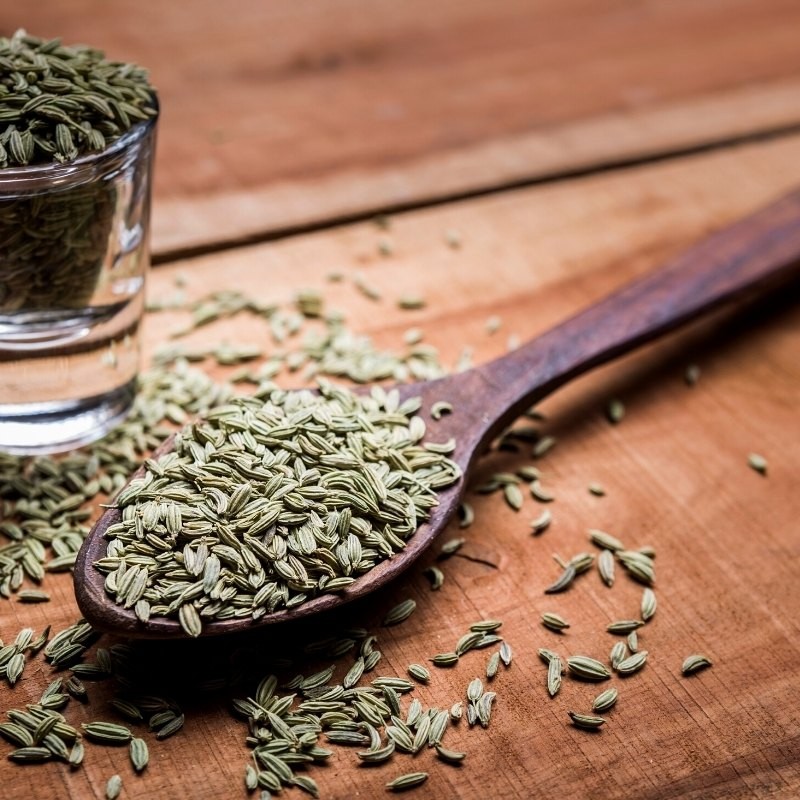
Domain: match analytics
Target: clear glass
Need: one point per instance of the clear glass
(74, 253)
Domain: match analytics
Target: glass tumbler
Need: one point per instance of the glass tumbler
(74, 251)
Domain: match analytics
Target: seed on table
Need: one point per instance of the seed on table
(468, 641)
(605, 540)
(76, 754)
(451, 546)
(452, 238)
(632, 663)
(486, 625)
(493, 665)
(435, 576)
(587, 668)
(445, 659)
(648, 604)
(543, 446)
(32, 596)
(113, 787)
(605, 566)
(419, 673)
(546, 655)
(107, 732)
(538, 492)
(541, 523)
(582, 562)
(411, 302)
(449, 756)
(597, 490)
(475, 690)
(615, 411)
(139, 754)
(400, 613)
(438, 728)
(564, 581)
(378, 755)
(513, 496)
(695, 663)
(554, 676)
(624, 626)
(587, 721)
(408, 781)
(506, 653)
(758, 463)
(639, 565)
(484, 708)
(493, 324)
(250, 778)
(30, 755)
(466, 515)
(692, 374)
(605, 700)
(554, 622)
(633, 641)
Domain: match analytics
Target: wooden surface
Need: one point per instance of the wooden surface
(750, 259)
(676, 477)
(283, 114)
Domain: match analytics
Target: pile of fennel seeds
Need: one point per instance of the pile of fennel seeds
(271, 500)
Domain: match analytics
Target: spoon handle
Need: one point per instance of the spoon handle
(754, 254)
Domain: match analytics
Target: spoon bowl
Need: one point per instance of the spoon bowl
(756, 254)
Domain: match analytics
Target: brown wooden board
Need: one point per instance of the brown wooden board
(285, 114)
(676, 475)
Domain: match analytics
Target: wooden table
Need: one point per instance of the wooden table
(572, 145)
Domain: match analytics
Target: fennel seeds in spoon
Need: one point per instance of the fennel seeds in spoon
(271, 500)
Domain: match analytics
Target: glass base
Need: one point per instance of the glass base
(42, 428)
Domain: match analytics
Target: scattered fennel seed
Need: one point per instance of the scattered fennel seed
(493, 324)
(615, 411)
(587, 721)
(450, 547)
(542, 522)
(691, 375)
(543, 446)
(408, 781)
(605, 540)
(538, 492)
(605, 700)
(435, 576)
(411, 302)
(554, 622)
(400, 613)
(452, 238)
(757, 463)
(368, 291)
(695, 663)
(113, 787)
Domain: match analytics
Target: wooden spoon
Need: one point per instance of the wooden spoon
(751, 256)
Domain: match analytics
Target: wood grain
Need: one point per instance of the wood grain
(676, 477)
(756, 255)
(284, 114)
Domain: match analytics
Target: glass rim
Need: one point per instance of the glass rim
(33, 174)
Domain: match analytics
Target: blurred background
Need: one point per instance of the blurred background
(280, 114)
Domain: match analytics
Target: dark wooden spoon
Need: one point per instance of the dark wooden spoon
(753, 255)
